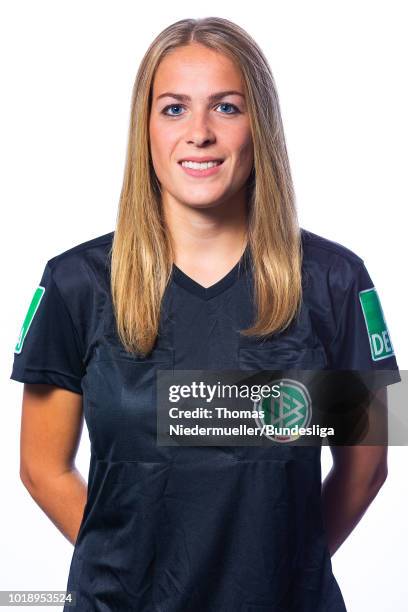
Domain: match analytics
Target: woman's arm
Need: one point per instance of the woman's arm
(51, 425)
(357, 474)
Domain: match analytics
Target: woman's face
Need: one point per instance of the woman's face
(186, 123)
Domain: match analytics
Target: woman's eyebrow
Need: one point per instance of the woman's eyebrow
(212, 98)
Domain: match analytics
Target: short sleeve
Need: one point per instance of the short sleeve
(362, 339)
(48, 348)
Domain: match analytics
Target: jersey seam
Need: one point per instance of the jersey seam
(80, 248)
(35, 370)
(343, 308)
(332, 249)
(76, 334)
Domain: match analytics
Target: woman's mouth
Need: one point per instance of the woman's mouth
(203, 169)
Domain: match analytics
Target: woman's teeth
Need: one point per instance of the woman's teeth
(200, 166)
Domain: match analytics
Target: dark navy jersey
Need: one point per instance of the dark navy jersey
(203, 528)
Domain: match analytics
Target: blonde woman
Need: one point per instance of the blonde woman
(207, 269)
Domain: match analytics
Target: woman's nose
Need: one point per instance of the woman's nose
(199, 129)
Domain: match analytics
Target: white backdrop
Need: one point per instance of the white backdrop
(67, 75)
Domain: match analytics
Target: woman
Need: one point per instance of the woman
(207, 269)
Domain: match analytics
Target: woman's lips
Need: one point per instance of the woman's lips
(201, 173)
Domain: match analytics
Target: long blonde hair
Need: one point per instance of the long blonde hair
(141, 253)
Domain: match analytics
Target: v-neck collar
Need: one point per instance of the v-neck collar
(205, 293)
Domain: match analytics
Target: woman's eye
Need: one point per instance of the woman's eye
(164, 111)
(178, 106)
(231, 106)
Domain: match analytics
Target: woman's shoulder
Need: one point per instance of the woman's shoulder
(81, 270)
(93, 248)
(83, 261)
(326, 251)
(331, 267)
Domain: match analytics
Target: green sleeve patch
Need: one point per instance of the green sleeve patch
(379, 337)
(32, 309)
